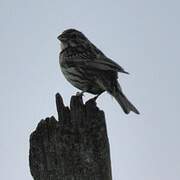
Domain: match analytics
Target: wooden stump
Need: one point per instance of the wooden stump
(74, 147)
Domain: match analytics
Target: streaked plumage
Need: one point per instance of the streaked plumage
(88, 69)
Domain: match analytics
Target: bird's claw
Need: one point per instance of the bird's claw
(81, 94)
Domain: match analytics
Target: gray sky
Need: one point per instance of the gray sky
(142, 36)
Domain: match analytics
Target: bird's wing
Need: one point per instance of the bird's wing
(89, 60)
(106, 64)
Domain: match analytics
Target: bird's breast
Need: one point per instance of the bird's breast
(74, 77)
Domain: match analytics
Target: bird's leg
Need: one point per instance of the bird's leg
(95, 98)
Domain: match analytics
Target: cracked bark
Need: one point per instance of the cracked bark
(74, 147)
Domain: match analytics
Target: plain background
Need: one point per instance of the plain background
(142, 36)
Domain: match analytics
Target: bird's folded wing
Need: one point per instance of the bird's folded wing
(105, 63)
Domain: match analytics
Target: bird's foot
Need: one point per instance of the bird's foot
(81, 94)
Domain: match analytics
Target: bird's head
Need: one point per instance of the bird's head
(72, 37)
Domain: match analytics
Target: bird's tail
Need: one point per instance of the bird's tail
(126, 105)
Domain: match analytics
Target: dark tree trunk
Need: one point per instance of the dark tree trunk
(75, 147)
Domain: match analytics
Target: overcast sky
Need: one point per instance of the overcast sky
(142, 36)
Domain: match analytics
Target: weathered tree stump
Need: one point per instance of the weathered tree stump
(75, 147)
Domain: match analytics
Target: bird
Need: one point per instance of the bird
(89, 69)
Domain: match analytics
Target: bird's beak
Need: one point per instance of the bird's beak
(61, 37)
